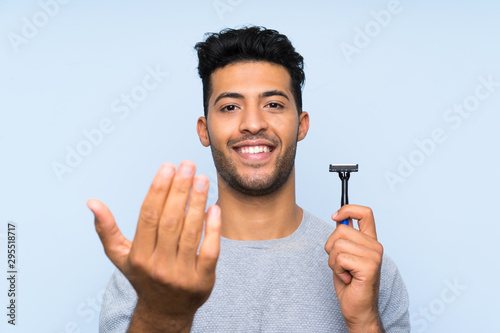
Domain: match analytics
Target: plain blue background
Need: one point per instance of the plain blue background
(377, 87)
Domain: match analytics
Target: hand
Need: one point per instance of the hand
(355, 257)
(171, 280)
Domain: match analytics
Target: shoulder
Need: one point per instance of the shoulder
(390, 277)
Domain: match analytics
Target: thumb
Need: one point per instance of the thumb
(116, 246)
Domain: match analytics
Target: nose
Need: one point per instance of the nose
(253, 120)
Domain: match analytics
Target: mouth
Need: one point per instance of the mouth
(254, 151)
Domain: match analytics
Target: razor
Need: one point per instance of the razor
(344, 171)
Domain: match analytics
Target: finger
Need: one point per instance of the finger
(116, 246)
(339, 271)
(210, 247)
(364, 215)
(360, 268)
(352, 250)
(356, 249)
(345, 267)
(351, 224)
(344, 232)
(342, 275)
(343, 246)
(174, 210)
(193, 224)
(152, 207)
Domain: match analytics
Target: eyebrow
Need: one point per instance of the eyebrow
(274, 93)
(269, 93)
(228, 95)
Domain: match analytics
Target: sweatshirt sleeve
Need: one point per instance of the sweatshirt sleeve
(393, 299)
(118, 305)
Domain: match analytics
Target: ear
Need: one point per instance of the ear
(201, 128)
(303, 125)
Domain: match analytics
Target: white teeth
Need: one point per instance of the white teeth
(255, 149)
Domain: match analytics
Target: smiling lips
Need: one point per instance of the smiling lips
(256, 151)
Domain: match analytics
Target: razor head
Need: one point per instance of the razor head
(343, 168)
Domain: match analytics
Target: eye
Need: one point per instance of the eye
(228, 108)
(274, 105)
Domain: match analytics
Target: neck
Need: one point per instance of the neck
(259, 218)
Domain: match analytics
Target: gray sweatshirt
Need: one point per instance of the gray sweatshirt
(278, 285)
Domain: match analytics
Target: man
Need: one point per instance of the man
(264, 264)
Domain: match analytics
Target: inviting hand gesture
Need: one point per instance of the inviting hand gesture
(171, 279)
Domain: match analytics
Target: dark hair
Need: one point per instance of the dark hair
(248, 44)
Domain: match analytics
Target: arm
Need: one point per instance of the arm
(171, 280)
(355, 257)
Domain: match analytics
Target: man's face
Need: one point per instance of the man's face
(253, 126)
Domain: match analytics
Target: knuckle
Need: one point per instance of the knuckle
(137, 262)
(99, 229)
(368, 211)
(157, 186)
(331, 261)
(211, 254)
(186, 286)
(170, 222)
(187, 248)
(380, 249)
(191, 238)
(181, 186)
(327, 247)
(197, 200)
(336, 245)
(340, 259)
(342, 231)
(160, 275)
(375, 257)
(150, 215)
(375, 267)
